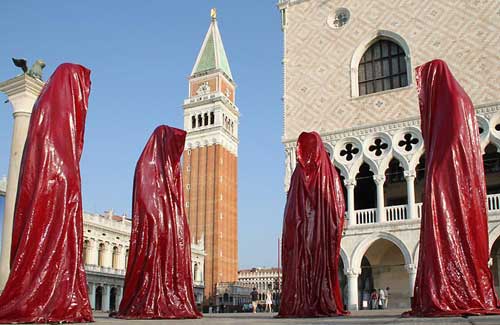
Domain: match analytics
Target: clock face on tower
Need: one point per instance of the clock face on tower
(203, 89)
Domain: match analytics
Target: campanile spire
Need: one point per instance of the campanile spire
(211, 119)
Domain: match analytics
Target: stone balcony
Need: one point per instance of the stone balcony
(399, 213)
(103, 269)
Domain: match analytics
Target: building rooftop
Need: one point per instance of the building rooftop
(212, 55)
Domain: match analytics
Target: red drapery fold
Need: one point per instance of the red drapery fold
(159, 282)
(312, 230)
(453, 276)
(47, 282)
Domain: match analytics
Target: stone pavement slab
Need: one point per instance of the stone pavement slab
(358, 317)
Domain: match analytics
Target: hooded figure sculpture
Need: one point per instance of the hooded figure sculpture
(47, 282)
(158, 283)
(452, 276)
(312, 229)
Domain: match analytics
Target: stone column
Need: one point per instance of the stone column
(108, 255)
(410, 192)
(22, 92)
(105, 297)
(352, 286)
(380, 180)
(92, 295)
(412, 271)
(293, 154)
(119, 295)
(351, 213)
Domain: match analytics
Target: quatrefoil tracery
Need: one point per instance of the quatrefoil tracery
(378, 147)
(349, 151)
(408, 142)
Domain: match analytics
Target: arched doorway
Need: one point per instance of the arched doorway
(365, 284)
(98, 298)
(343, 283)
(383, 266)
(495, 268)
(365, 192)
(112, 299)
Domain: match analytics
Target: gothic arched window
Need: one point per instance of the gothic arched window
(193, 122)
(100, 255)
(382, 67)
(114, 260)
(205, 118)
(212, 118)
(86, 248)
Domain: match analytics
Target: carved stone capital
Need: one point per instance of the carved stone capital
(350, 182)
(353, 272)
(379, 179)
(411, 268)
(409, 174)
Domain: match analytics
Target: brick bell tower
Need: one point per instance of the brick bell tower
(211, 161)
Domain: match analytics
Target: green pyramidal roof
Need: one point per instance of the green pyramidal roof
(212, 55)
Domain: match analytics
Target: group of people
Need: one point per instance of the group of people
(379, 298)
(255, 300)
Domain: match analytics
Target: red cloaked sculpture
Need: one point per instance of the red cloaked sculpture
(452, 276)
(47, 282)
(312, 230)
(159, 282)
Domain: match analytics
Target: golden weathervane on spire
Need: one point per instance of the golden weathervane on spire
(213, 13)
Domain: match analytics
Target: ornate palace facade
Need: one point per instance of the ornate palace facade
(349, 75)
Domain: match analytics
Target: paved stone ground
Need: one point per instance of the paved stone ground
(360, 317)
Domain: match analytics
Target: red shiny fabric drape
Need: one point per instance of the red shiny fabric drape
(159, 282)
(312, 230)
(47, 281)
(453, 276)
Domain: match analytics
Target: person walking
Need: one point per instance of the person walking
(381, 298)
(255, 297)
(374, 299)
(387, 294)
(269, 301)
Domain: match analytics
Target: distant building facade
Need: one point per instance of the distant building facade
(263, 279)
(105, 254)
(349, 75)
(231, 296)
(210, 162)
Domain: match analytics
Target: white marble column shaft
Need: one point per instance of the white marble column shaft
(351, 213)
(22, 92)
(352, 286)
(410, 192)
(379, 181)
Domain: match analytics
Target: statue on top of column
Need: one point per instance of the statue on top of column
(36, 68)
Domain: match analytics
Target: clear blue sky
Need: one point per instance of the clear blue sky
(140, 54)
